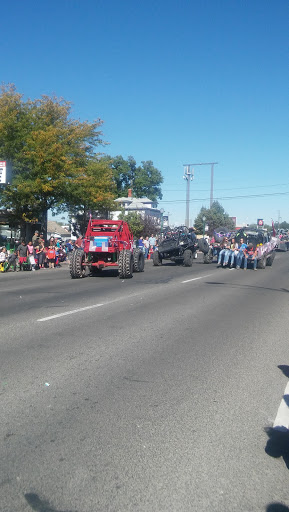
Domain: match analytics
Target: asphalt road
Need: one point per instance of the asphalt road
(145, 395)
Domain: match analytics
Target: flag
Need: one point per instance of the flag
(273, 228)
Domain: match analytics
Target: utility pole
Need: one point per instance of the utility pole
(212, 177)
(189, 176)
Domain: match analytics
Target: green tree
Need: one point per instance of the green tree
(145, 179)
(51, 154)
(134, 221)
(283, 225)
(215, 218)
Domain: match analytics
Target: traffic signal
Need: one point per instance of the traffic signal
(260, 223)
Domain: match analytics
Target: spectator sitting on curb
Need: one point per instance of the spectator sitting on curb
(12, 260)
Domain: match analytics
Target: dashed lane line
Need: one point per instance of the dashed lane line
(196, 278)
(282, 419)
(69, 312)
(93, 306)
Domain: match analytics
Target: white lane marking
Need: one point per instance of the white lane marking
(69, 312)
(59, 315)
(282, 419)
(196, 278)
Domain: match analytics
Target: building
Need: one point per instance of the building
(56, 230)
(141, 205)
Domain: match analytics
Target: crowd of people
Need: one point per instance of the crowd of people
(147, 245)
(36, 254)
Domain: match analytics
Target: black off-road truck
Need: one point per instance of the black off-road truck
(178, 245)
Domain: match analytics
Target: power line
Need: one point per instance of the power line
(234, 188)
(229, 197)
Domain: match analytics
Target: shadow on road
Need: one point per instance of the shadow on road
(285, 369)
(40, 505)
(276, 507)
(247, 286)
(278, 444)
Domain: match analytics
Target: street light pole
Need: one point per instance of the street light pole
(204, 220)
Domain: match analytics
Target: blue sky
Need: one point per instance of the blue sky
(175, 82)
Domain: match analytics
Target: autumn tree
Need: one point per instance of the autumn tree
(84, 198)
(215, 218)
(52, 154)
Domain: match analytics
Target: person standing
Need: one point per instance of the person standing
(152, 242)
(30, 254)
(79, 243)
(35, 238)
(3, 259)
(140, 243)
(40, 254)
(51, 255)
(22, 254)
(146, 246)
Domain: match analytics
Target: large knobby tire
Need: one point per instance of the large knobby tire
(138, 260)
(125, 264)
(220, 233)
(77, 267)
(270, 259)
(157, 260)
(188, 258)
(262, 263)
(203, 245)
(208, 258)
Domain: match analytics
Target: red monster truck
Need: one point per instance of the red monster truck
(107, 243)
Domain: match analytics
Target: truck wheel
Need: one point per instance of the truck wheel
(262, 263)
(157, 259)
(188, 258)
(208, 258)
(138, 260)
(77, 267)
(270, 259)
(125, 264)
(203, 245)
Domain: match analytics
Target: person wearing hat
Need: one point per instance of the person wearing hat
(35, 238)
